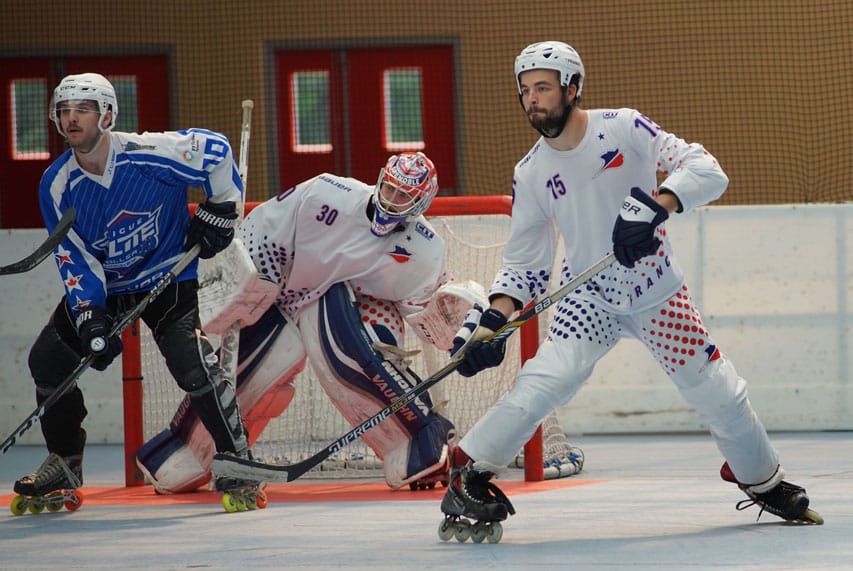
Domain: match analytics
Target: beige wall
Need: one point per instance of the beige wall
(766, 86)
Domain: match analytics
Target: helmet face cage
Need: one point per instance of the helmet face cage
(557, 56)
(413, 183)
(86, 86)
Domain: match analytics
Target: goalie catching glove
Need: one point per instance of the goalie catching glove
(93, 327)
(479, 354)
(634, 231)
(212, 227)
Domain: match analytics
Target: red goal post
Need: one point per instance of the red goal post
(442, 209)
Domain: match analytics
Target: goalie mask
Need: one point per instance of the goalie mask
(86, 86)
(407, 184)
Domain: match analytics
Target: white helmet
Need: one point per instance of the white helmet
(415, 182)
(89, 86)
(559, 56)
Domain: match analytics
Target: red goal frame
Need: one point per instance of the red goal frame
(132, 386)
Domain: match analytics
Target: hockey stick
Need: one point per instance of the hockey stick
(120, 326)
(230, 343)
(228, 465)
(48, 246)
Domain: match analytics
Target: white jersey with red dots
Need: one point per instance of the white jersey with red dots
(580, 192)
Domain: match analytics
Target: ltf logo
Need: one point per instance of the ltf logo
(130, 236)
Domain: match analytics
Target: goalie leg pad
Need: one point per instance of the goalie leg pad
(269, 358)
(341, 334)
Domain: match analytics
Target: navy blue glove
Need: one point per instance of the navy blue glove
(93, 327)
(479, 355)
(634, 231)
(212, 228)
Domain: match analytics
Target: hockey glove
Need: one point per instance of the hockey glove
(93, 327)
(212, 227)
(480, 354)
(634, 231)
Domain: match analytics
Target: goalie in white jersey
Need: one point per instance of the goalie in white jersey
(587, 169)
(133, 225)
(348, 263)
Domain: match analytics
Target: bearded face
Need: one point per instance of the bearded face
(549, 122)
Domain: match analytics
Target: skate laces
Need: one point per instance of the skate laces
(477, 487)
(777, 501)
(52, 470)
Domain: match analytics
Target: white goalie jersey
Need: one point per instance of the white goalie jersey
(318, 233)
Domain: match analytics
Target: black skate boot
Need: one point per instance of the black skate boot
(472, 495)
(53, 484)
(239, 494)
(781, 498)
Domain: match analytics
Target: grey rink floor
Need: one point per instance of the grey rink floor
(648, 502)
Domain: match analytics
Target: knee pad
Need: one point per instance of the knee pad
(270, 355)
(51, 360)
(353, 344)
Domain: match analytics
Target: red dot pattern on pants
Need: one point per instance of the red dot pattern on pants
(677, 333)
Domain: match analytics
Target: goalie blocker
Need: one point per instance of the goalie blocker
(361, 367)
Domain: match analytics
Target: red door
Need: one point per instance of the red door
(32, 141)
(346, 110)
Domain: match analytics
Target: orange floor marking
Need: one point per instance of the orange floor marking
(300, 493)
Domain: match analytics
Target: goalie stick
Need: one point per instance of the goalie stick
(48, 246)
(233, 466)
(120, 326)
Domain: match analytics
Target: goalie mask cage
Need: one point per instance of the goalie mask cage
(476, 230)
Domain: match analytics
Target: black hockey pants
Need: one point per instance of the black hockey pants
(174, 321)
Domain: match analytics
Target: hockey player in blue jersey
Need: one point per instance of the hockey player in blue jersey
(133, 224)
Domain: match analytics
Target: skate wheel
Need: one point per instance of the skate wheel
(479, 533)
(261, 500)
(462, 531)
(446, 529)
(495, 532)
(75, 502)
(53, 508)
(36, 507)
(809, 517)
(229, 502)
(18, 505)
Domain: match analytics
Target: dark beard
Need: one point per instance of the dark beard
(552, 124)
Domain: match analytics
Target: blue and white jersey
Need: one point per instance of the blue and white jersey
(579, 193)
(132, 220)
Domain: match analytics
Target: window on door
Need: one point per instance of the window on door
(346, 110)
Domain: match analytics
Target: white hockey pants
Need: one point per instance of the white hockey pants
(675, 336)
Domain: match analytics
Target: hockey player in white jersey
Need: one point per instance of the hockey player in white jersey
(133, 224)
(587, 169)
(351, 263)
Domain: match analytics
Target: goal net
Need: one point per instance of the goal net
(475, 230)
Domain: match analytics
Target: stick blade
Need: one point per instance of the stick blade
(45, 249)
(234, 467)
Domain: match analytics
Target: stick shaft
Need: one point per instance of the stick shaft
(227, 465)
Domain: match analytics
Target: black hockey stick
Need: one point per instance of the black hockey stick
(48, 246)
(120, 326)
(228, 465)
